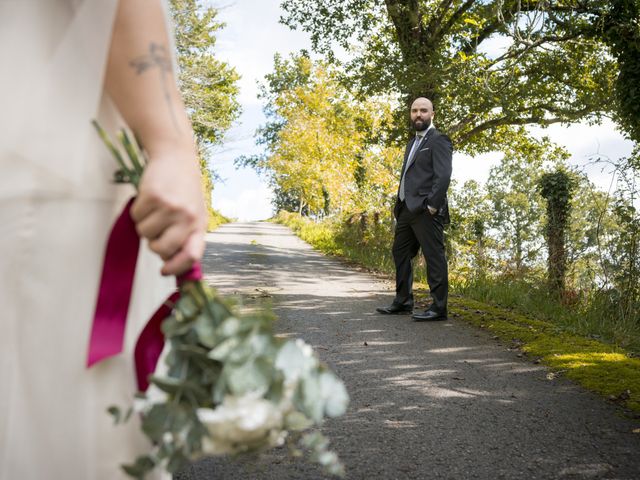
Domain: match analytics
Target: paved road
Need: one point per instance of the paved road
(428, 400)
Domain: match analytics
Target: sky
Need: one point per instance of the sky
(249, 41)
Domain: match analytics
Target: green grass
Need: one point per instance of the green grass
(598, 318)
(586, 345)
(601, 367)
(215, 219)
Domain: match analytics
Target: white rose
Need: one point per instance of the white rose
(240, 424)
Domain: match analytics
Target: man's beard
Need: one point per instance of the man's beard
(420, 125)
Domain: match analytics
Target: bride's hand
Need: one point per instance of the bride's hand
(170, 210)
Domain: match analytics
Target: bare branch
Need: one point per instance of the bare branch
(507, 120)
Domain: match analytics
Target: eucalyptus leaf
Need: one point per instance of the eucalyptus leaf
(187, 306)
(206, 331)
(115, 413)
(156, 421)
(276, 390)
(127, 415)
(220, 390)
(294, 360)
(261, 344)
(242, 353)
(229, 327)
(222, 351)
(334, 394)
(143, 465)
(312, 403)
(177, 461)
(327, 458)
(166, 384)
(250, 377)
(314, 441)
(218, 311)
(172, 327)
(194, 351)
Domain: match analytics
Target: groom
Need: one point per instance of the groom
(421, 211)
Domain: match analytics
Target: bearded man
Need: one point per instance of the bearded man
(421, 211)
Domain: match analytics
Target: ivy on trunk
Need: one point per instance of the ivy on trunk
(557, 188)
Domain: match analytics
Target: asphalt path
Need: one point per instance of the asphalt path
(438, 400)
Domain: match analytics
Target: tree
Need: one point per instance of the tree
(209, 87)
(468, 235)
(438, 48)
(611, 22)
(557, 188)
(623, 36)
(620, 259)
(319, 141)
(517, 207)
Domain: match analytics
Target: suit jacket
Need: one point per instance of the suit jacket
(428, 175)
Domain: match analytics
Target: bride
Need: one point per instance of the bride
(64, 63)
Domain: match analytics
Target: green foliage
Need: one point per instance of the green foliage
(438, 49)
(216, 219)
(209, 87)
(557, 188)
(622, 33)
(517, 208)
(357, 238)
(320, 155)
(621, 245)
(216, 355)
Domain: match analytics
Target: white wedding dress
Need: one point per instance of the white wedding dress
(57, 205)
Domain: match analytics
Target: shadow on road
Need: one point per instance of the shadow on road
(428, 400)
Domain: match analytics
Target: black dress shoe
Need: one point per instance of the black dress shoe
(429, 315)
(395, 309)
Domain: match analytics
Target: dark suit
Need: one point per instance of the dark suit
(426, 182)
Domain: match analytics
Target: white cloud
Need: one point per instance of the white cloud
(245, 205)
(475, 168)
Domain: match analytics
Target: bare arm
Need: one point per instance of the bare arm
(169, 210)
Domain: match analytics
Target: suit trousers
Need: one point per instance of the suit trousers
(414, 231)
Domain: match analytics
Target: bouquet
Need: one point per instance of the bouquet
(230, 386)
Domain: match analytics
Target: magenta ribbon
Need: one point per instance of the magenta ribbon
(114, 296)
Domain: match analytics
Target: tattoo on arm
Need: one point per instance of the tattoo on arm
(158, 58)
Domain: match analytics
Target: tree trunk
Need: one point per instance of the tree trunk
(557, 188)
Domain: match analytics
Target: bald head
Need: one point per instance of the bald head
(422, 102)
(421, 113)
